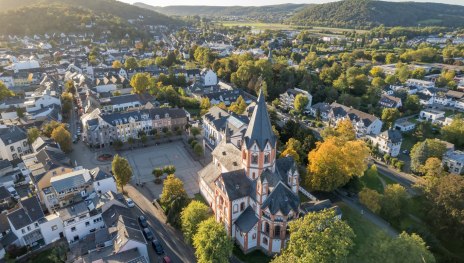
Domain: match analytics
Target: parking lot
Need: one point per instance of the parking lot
(144, 160)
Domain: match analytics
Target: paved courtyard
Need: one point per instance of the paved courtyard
(143, 160)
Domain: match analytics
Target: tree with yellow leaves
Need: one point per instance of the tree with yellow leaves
(63, 138)
(335, 161)
(292, 147)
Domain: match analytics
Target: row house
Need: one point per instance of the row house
(101, 129)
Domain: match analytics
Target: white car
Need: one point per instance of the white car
(130, 203)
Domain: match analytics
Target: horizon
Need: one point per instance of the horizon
(164, 3)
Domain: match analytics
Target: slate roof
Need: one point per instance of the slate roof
(30, 212)
(340, 110)
(52, 158)
(123, 117)
(283, 165)
(124, 99)
(246, 220)
(127, 256)
(236, 184)
(12, 135)
(392, 135)
(281, 199)
(5, 164)
(98, 174)
(4, 193)
(70, 180)
(73, 210)
(41, 142)
(272, 178)
(260, 128)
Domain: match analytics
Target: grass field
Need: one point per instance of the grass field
(372, 181)
(278, 26)
(366, 234)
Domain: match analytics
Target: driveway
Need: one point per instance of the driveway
(144, 160)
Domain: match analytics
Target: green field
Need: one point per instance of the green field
(278, 26)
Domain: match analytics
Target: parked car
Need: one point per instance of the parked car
(130, 203)
(143, 221)
(157, 246)
(147, 233)
(166, 259)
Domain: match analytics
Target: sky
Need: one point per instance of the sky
(259, 2)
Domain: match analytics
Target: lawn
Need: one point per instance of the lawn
(252, 257)
(408, 141)
(387, 180)
(366, 234)
(372, 181)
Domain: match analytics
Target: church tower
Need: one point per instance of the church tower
(259, 147)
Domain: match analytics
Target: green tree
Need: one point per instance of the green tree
(405, 248)
(198, 149)
(173, 199)
(412, 104)
(402, 73)
(300, 103)
(169, 169)
(157, 173)
(378, 82)
(239, 106)
(195, 131)
(131, 63)
(371, 199)
(140, 82)
(192, 215)
(422, 151)
(122, 171)
(211, 242)
(32, 134)
(117, 144)
(5, 92)
(317, 237)
(394, 201)
(63, 138)
(390, 79)
(454, 132)
(205, 104)
(389, 116)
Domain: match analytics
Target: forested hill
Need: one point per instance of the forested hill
(256, 12)
(39, 16)
(369, 13)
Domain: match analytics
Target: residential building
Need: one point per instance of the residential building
(208, 77)
(388, 101)
(431, 115)
(13, 143)
(363, 123)
(217, 121)
(454, 161)
(102, 130)
(252, 192)
(39, 101)
(287, 99)
(404, 125)
(320, 111)
(422, 84)
(388, 142)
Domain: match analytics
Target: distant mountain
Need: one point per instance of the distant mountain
(39, 16)
(254, 12)
(369, 13)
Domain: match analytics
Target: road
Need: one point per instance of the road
(404, 179)
(171, 239)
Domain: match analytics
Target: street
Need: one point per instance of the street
(171, 239)
(403, 179)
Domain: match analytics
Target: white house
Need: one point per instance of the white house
(388, 142)
(431, 115)
(208, 77)
(103, 182)
(38, 102)
(388, 101)
(454, 161)
(423, 84)
(287, 99)
(404, 125)
(363, 123)
(13, 143)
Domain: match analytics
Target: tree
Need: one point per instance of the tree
(344, 131)
(131, 141)
(131, 63)
(32, 134)
(394, 201)
(191, 217)
(195, 131)
(318, 237)
(446, 202)
(454, 132)
(239, 106)
(378, 82)
(173, 199)
(211, 242)
(143, 139)
(371, 199)
(292, 148)
(205, 104)
(432, 168)
(377, 72)
(47, 128)
(122, 171)
(412, 104)
(422, 151)
(63, 138)
(117, 144)
(157, 173)
(117, 64)
(390, 79)
(169, 169)
(403, 249)
(140, 82)
(5, 92)
(198, 149)
(334, 162)
(300, 103)
(389, 116)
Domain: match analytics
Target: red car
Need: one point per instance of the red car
(166, 259)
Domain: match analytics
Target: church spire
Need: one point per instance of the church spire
(259, 130)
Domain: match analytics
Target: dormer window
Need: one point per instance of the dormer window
(254, 158)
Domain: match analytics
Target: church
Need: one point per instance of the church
(251, 191)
